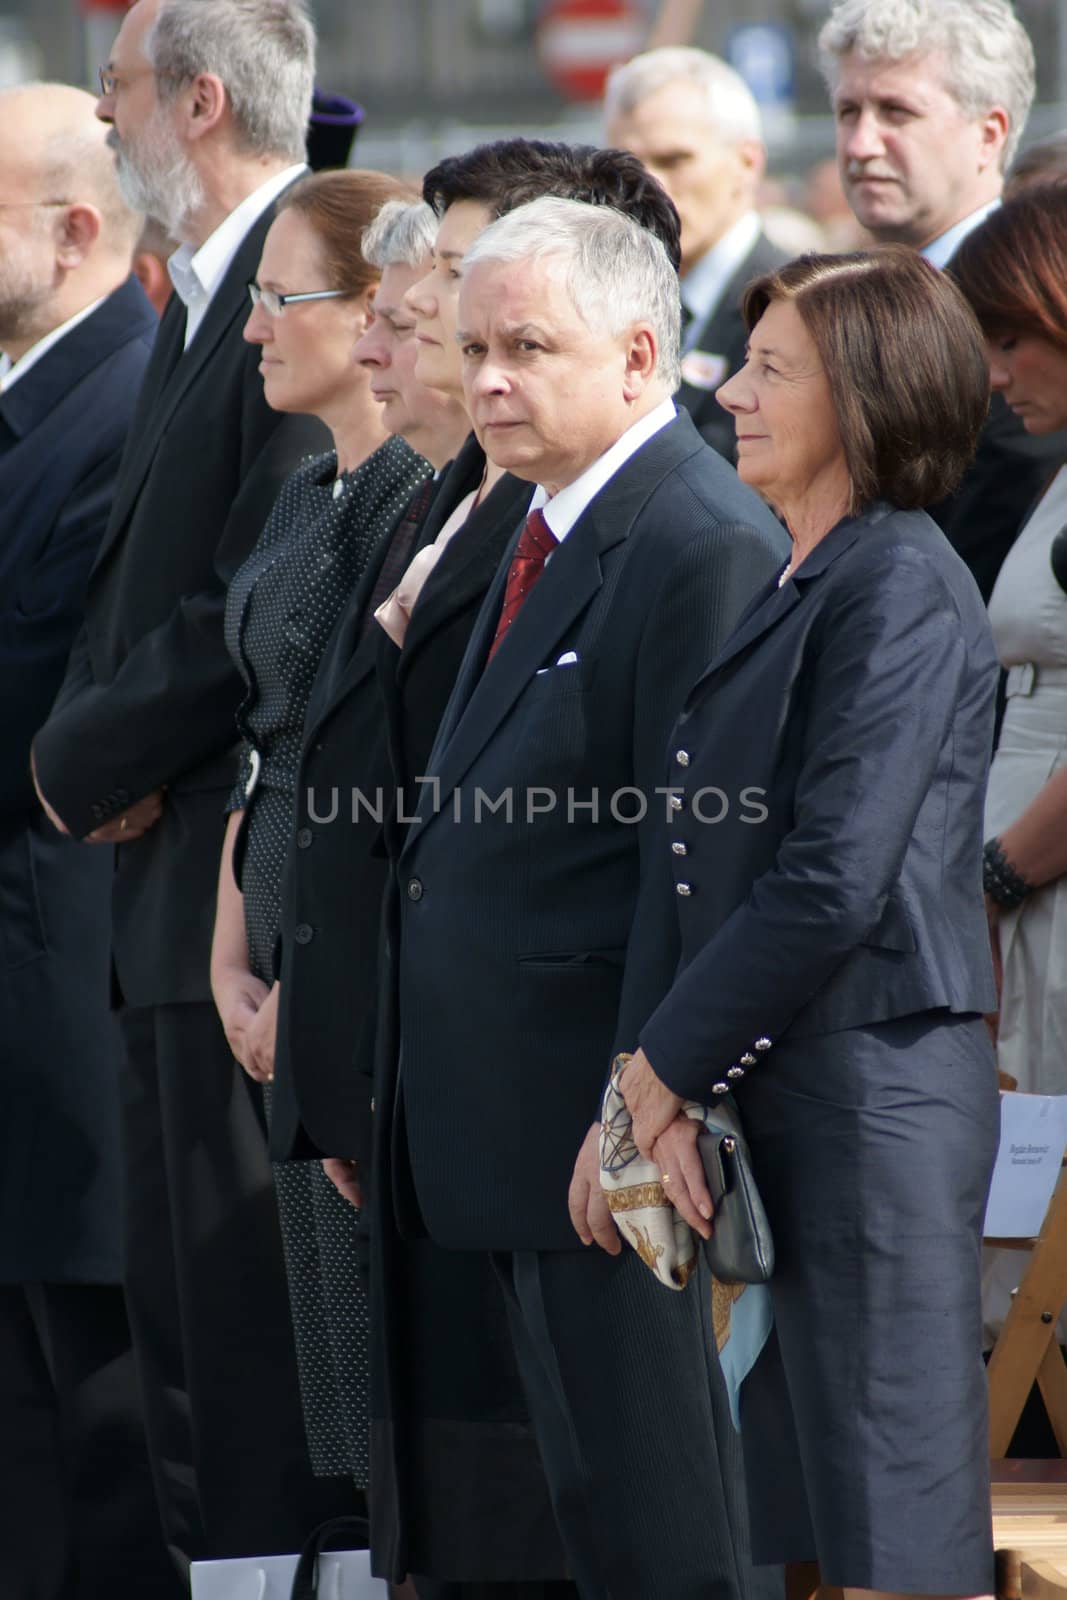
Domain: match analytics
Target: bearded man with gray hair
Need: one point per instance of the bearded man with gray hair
(534, 935)
(208, 101)
(930, 101)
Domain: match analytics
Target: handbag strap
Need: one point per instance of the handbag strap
(345, 1533)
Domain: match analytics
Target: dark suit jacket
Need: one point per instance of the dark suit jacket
(62, 428)
(336, 870)
(724, 334)
(150, 692)
(514, 973)
(855, 706)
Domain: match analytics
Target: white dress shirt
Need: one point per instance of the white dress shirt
(939, 252)
(12, 371)
(704, 284)
(197, 273)
(562, 511)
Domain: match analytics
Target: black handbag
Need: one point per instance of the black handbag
(740, 1249)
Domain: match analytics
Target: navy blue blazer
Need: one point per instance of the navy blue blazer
(62, 428)
(515, 979)
(825, 856)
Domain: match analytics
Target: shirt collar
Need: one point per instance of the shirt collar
(704, 283)
(563, 509)
(12, 371)
(197, 273)
(939, 251)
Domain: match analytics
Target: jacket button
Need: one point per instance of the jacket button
(762, 1044)
(748, 1059)
(303, 838)
(682, 757)
(303, 933)
(679, 849)
(720, 1088)
(414, 889)
(684, 889)
(736, 1072)
(676, 802)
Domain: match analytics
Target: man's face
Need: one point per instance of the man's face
(154, 171)
(27, 242)
(711, 183)
(388, 350)
(546, 395)
(912, 163)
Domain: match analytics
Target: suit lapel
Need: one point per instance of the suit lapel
(174, 369)
(484, 694)
(772, 603)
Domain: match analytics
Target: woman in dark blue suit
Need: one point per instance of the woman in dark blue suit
(825, 845)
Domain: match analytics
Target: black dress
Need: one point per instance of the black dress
(281, 609)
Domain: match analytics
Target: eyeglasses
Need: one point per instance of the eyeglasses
(19, 205)
(110, 83)
(274, 304)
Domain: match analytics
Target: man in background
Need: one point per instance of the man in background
(930, 101)
(76, 1515)
(208, 102)
(695, 124)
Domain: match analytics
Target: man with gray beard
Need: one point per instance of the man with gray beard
(208, 102)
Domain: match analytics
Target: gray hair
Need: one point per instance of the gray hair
(262, 50)
(617, 272)
(989, 60)
(401, 235)
(732, 108)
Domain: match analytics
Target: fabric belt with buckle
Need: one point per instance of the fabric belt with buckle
(1027, 676)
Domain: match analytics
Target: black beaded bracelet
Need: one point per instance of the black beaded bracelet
(1000, 880)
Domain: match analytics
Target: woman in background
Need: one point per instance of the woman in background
(311, 303)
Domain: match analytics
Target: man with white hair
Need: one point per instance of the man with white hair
(208, 103)
(534, 937)
(930, 101)
(694, 123)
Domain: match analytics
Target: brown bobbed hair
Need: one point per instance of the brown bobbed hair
(906, 365)
(339, 206)
(1013, 267)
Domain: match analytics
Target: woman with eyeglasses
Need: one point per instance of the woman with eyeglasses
(310, 304)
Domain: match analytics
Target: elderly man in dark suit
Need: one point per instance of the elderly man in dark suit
(523, 879)
(695, 124)
(208, 101)
(76, 334)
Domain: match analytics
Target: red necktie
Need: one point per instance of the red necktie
(536, 544)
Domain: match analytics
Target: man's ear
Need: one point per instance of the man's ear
(78, 228)
(205, 105)
(642, 356)
(996, 126)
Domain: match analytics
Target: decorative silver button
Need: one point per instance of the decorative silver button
(682, 757)
(748, 1059)
(762, 1044)
(720, 1088)
(679, 848)
(736, 1072)
(254, 765)
(684, 889)
(676, 802)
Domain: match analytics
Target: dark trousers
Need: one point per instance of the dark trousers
(208, 1303)
(632, 1421)
(77, 1512)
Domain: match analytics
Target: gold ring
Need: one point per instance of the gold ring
(124, 823)
(664, 1177)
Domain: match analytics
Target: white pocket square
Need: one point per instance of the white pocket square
(569, 658)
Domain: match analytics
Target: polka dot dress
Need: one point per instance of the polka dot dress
(280, 611)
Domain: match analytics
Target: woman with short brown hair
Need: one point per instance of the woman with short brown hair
(835, 965)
